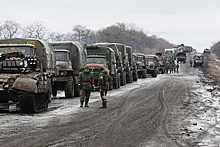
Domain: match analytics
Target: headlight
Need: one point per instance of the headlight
(62, 73)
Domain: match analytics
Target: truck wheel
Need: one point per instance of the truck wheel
(144, 74)
(54, 92)
(76, 91)
(129, 77)
(154, 74)
(135, 76)
(119, 80)
(69, 88)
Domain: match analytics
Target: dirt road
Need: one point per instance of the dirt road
(149, 112)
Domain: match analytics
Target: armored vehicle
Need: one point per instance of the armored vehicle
(153, 64)
(181, 57)
(198, 61)
(71, 60)
(141, 65)
(26, 69)
(102, 56)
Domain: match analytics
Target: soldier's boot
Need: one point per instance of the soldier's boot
(86, 104)
(81, 103)
(103, 105)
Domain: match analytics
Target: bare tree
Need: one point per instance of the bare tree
(9, 29)
(82, 34)
(35, 30)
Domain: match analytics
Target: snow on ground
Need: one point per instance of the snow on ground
(202, 127)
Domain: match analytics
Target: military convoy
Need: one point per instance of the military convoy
(27, 67)
(31, 70)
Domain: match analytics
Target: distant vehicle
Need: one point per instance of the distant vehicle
(152, 65)
(161, 67)
(206, 51)
(141, 65)
(198, 61)
(181, 57)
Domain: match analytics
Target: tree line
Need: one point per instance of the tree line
(125, 33)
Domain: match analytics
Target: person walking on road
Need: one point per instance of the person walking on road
(86, 84)
(104, 80)
(177, 67)
(190, 62)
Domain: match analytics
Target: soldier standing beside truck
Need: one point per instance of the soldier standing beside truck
(86, 84)
(104, 80)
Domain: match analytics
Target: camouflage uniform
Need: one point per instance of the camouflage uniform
(177, 68)
(86, 82)
(104, 80)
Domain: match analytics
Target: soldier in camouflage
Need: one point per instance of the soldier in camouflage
(86, 84)
(104, 80)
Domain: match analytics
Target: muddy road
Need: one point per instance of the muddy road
(149, 112)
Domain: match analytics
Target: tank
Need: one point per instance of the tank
(26, 69)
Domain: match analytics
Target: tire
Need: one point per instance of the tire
(144, 74)
(119, 80)
(76, 91)
(69, 88)
(135, 76)
(154, 74)
(129, 77)
(54, 92)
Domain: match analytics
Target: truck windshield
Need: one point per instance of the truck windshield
(150, 59)
(96, 60)
(26, 50)
(61, 56)
(139, 58)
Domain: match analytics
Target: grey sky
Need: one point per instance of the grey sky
(192, 22)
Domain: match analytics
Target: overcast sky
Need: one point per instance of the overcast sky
(192, 22)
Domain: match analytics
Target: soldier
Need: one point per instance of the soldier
(190, 62)
(104, 80)
(177, 68)
(86, 84)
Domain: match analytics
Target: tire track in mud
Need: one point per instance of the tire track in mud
(175, 91)
(110, 141)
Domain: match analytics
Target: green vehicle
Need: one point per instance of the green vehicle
(152, 65)
(132, 58)
(102, 56)
(141, 65)
(71, 60)
(27, 67)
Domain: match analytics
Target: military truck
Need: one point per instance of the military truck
(198, 61)
(132, 58)
(127, 73)
(141, 65)
(71, 60)
(206, 51)
(181, 57)
(102, 56)
(119, 62)
(26, 69)
(153, 64)
(161, 67)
